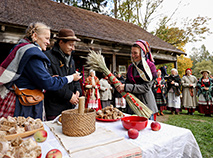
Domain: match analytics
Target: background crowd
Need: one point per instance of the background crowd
(171, 93)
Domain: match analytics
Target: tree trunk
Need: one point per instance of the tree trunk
(115, 9)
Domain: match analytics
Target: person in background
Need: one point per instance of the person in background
(26, 67)
(159, 88)
(120, 102)
(105, 92)
(173, 90)
(93, 96)
(63, 64)
(164, 71)
(139, 77)
(204, 93)
(189, 83)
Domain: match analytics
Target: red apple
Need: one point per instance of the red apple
(155, 126)
(40, 135)
(133, 133)
(54, 153)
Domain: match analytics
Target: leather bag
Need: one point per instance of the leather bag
(28, 97)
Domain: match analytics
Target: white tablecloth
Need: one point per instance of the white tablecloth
(169, 142)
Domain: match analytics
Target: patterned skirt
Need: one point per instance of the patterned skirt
(205, 107)
(159, 99)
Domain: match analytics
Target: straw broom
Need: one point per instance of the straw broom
(96, 62)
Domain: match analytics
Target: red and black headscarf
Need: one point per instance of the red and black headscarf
(187, 70)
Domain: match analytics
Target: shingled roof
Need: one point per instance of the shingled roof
(85, 23)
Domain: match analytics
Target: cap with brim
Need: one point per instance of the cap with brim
(202, 71)
(67, 34)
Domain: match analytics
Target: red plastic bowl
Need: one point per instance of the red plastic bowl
(136, 122)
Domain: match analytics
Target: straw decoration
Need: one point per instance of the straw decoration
(96, 62)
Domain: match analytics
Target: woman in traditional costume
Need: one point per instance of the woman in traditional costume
(189, 95)
(173, 90)
(204, 94)
(159, 88)
(92, 85)
(140, 74)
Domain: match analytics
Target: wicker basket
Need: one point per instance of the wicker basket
(76, 125)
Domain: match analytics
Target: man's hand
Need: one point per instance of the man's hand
(76, 76)
(74, 100)
(77, 94)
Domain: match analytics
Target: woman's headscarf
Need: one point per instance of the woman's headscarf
(175, 71)
(91, 70)
(142, 44)
(187, 70)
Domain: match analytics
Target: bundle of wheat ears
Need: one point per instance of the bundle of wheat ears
(96, 62)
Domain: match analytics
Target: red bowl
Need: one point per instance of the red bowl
(136, 122)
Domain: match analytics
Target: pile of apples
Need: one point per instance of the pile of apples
(134, 133)
(40, 136)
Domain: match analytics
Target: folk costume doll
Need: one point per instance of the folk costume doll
(189, 94)
(26, 66)
(93, 96)
(105, 92)
(140, 76)
(204, 94)
(159, 88)
(173, 90)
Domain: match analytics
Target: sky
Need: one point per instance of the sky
(190, 9)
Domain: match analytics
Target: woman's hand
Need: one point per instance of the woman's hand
(206, 88)
(120, 88)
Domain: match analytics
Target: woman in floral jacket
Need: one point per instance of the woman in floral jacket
(159, 89)
(204, 94)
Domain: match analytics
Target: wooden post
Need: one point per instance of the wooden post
(113, 62)
(175, 65)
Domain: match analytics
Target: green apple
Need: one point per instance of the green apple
(40, 136)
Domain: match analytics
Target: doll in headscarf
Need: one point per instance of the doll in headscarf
(93, 96)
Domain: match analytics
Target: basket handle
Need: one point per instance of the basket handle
(81, 105)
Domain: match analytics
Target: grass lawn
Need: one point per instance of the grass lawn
(201, 127)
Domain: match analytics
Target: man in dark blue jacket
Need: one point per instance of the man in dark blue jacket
(62, 64)
(164, 71)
